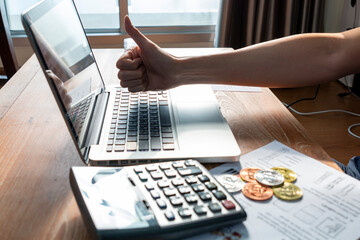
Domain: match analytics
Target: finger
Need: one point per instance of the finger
(125, 75)
(132, 83)
(136, 35)
(138, 88)
(128, 64)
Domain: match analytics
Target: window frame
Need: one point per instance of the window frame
(165, 36)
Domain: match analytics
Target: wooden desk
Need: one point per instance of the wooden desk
(36, 150)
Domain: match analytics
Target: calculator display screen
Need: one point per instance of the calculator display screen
(115, 208)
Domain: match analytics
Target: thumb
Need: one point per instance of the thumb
(136, 35)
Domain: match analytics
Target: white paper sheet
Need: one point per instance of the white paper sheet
(233, 88)
(329, 208)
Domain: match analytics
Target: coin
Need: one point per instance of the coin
(288, 174)
(247, 174)
(269, 177)
(288, 191)
(255, 191)
(230, 182)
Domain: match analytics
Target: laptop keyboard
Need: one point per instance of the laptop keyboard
(140, 122)
(78, 113)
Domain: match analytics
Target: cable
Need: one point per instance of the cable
(304, 99)
(328, 111)
(353, 134)
(323, 111)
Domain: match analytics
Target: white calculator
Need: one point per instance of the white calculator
(168, 200)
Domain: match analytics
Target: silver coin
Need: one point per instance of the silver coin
(269, 177)
(231, 183)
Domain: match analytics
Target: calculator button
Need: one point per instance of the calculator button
(189, 163)
(191, 198)
(191, 180)
(176, 201)
(161, 203)
(198, 187)
(211, 186)
(169, 215)
(200, 210)
(185, 212)
(169, 191)
(170, 173)
(151, 168)
(149, 186)
(219, 195)
(178, 182)
(138, 169)
(189, 171)
(178, 165)
(165, 166)
(154, 194)
(184, 189)
(164, 184)
(156, 175)
(205, 196)
(143, 177)
(229, 205)
(214, 207)
(203, 178)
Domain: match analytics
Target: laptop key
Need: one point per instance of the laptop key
(166, 130)
(167, 135)
(155, 144)
(168, 140)
(168, 147)
(143, 145)
(119, 148)
(120, 136)
(120, 142)
(132, 139)
(144, 137)
(164, 116)
(131, 146)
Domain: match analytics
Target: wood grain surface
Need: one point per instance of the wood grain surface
(36, 150)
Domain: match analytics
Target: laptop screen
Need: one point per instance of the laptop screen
(65, 54)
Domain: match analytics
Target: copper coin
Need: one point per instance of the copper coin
(257, 192)
(247, 174)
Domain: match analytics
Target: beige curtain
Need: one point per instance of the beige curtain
(246, 22)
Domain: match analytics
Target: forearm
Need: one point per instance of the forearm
(299, 60)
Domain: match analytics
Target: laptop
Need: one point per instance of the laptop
(108, 124)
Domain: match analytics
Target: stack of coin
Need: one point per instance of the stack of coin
(262, 184)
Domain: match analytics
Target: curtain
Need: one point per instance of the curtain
(245, 22)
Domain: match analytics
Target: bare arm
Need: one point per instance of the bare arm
(298, 60)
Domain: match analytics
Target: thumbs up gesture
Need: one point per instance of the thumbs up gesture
(146, 67)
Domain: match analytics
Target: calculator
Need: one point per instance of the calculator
(167, 200)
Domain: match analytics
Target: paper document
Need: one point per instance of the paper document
(233, 88)
(329, 208)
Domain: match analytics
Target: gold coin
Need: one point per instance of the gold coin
(288, 174)
(288, 191)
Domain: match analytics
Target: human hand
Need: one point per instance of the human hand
(66, 98)
(146, 67)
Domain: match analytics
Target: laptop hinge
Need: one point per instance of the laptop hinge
(95, 127)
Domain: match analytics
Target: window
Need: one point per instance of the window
(173, 12)
(101, 16)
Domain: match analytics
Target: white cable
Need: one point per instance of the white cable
(323, 111)
(328, 111)
(353, 134)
